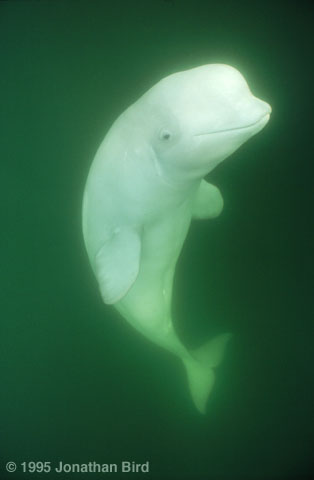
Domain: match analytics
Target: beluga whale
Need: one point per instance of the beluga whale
(145, 185)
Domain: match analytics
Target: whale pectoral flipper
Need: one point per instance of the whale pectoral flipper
(208, 202)
(117, 264)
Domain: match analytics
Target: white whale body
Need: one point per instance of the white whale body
(144, 187)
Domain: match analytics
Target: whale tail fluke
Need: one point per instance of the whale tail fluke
(199, 367)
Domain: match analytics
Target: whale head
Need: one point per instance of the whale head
(193, 120)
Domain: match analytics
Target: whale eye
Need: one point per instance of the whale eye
(165, 135)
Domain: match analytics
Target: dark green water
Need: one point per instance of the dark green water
(77, 383)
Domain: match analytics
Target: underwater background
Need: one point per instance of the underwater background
(78, 384)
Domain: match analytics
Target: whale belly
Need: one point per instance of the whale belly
(148, 302)
(162, 240)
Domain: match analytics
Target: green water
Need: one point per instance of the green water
(78, 385)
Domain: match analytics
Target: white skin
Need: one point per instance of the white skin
(146, 184)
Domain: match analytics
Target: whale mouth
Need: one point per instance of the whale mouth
(263, 119)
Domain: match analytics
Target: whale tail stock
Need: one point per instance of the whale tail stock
(199, 366)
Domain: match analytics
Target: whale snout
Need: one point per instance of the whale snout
(248, 111)
(249, 114)
(262, 108)
(269, 109)
(261, 114)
